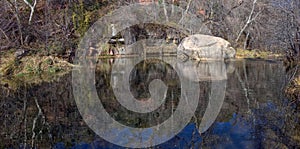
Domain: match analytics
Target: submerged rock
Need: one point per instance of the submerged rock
(198, 47)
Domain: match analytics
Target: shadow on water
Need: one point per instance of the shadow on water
(254, 113)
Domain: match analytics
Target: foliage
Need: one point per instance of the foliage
(81, 18)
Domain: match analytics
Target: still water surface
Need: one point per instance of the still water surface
(254, 114)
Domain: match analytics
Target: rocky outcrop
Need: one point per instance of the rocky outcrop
(200, 47)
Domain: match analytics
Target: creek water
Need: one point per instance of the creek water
(253, 112)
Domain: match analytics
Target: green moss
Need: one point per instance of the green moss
(20, 75)
(31, 67)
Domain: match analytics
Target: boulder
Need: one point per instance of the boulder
(198, 47)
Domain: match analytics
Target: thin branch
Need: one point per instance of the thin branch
(172, 10)
(31, 9)
(243, 84)
(40, 114)
(16, 13)
(5, 47)
(25, 121)
(9, 24)
(5, 35)
(234, 7)
(250, 19)
(290, 12)
(253, 19)
(246, 41)
(165, 10)
(185, 12)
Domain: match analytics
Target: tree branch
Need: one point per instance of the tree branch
(31, 9)
(165, 10)
(250, 19)
(185, 12)
(5, 35)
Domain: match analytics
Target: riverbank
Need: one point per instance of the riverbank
(30, 69)
(241, 54)
(292, 90)
(35, 69)
(36, 64)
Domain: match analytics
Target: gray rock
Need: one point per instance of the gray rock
(20, 53)
(200, 47)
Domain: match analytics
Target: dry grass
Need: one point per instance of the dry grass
(241, 53)
(31, 70)
(293, 89)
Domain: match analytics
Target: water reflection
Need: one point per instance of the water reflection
(254, 113)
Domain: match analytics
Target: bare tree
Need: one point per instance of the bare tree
(250, 19)
(32, 7)
(15, 9)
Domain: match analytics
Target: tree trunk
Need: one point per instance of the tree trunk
(297, 45)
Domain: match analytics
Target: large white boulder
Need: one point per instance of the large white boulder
(200, 47)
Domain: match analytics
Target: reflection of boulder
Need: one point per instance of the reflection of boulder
(229, 67)
(204, 71)
(213, 72)
(204, 46)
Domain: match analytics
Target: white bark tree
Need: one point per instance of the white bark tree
(250, 19)
(32, 7)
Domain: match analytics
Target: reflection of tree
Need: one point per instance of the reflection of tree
(264, 115)
(244, 84)
(41, 115)
(62, 122)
